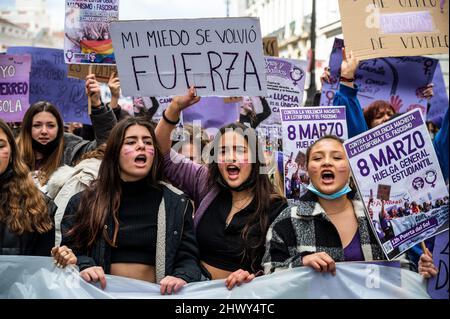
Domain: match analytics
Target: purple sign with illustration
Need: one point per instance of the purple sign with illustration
(397, 160)
(14, 86)
(438, 286)
(49, 82)
(399, 80)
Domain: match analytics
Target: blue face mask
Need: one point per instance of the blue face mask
(338, 194)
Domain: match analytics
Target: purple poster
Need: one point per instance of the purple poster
(212, 112)
(14, 86)
(398, 176)
(438, 286)
(398, 81)
(49, 82)
(439, 102)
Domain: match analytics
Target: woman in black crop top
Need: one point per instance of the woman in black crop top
(235, 200)
(128, 222)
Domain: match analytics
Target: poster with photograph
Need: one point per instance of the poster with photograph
(398, 176)
(301, 127)
(87, 34)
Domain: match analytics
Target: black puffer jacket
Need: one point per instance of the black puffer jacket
(28, 244)
(176, 248)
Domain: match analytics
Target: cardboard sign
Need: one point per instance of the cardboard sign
(387, 28)
(14, 86)
(270, 45)
(87, 34)
(398, 81)
(49, 82)
(219, 57)
(399, 154)
(102, 72)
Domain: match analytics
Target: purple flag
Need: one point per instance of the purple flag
(399, 80)
(438, 286)
(49, 82)
(439, 102)
(14, 86)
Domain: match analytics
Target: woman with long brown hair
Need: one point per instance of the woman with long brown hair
(45, 146)
(26, 216)
(235, 200)
(129, 222)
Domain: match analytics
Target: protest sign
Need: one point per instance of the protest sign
(102, 72)
(301, 127)
(49, 82)
(388, 28)
(14, 86)
(285, 85)
(270, 45)
(438, 286)
(87, 34)
(398, 81)
(400, 154)
(220, 57)
(439, 101)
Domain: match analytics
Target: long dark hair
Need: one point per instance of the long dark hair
(263, 190)
(22, 206)
(54, 160)
(103, 196)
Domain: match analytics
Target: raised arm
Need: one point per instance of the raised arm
(264, 114)
(347, 96)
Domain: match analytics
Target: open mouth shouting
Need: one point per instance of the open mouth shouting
(233, 172)
(140, 160)
(327, 177)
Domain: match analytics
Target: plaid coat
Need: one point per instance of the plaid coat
(305, 228)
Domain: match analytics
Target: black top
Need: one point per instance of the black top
(222, 246)
(138, 214)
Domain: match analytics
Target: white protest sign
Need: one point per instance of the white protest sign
(301, 127)
(397, 173)
(220, 57)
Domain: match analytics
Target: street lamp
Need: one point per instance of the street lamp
(311, 92)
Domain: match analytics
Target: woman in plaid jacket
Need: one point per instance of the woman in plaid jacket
(329, 224)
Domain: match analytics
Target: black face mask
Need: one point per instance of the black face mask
(46, 149)
(6, 175)
(249, 183)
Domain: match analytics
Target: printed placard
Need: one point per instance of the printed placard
(301, 127)
(87, 35)
(14, 86)
(400, 154)
(219, 57)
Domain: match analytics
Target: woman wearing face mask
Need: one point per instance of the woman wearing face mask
(329, 224)
(235, 203)
(128, 222)
(45, 146)
(26, 216)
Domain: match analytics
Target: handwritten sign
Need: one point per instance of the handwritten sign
(398, 81)
(220, 57)
(270, 45)
(102, 72)
(14, 86)
(400, 154)
(388, 28)
(49, 82)
(87, 35)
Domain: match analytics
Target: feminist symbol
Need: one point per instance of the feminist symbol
(431, 177)
(427, 66)
(330, 96)
(297, 74)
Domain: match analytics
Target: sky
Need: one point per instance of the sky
(150, 9)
